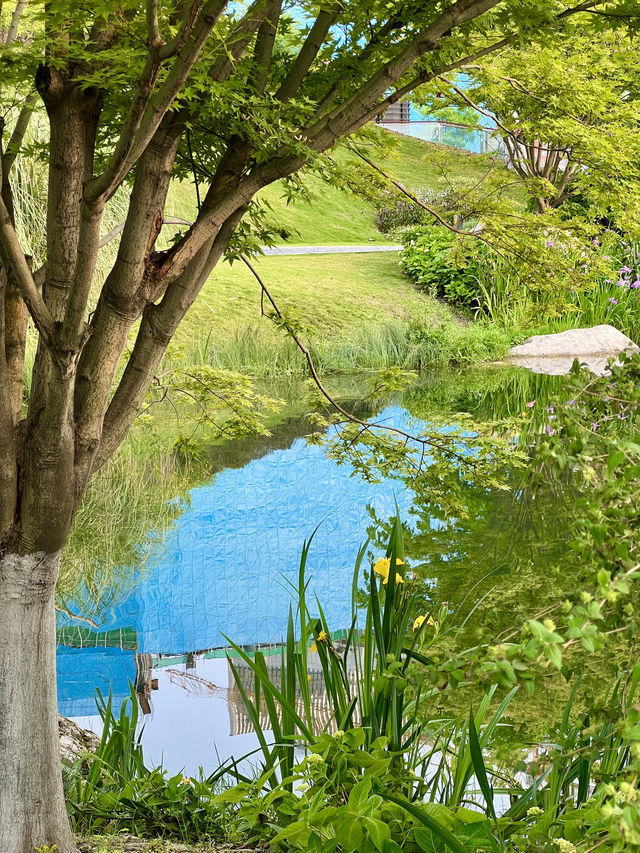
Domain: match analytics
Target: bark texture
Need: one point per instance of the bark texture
(32, 809)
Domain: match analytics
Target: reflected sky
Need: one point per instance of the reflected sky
(227, 565)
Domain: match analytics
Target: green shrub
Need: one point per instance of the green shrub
(445, 264)
(400, 212)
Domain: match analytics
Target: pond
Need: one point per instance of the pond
(226, 566)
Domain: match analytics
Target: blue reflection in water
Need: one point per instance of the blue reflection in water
(224, 566)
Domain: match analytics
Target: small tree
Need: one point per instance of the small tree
(566, 111)
(136, 94)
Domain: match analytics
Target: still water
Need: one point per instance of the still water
(226, 566)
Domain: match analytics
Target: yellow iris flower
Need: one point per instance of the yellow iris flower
(420, 619)
(323, 637)
(383, 566)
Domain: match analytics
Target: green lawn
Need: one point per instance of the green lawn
(334, 293)
(359, 308)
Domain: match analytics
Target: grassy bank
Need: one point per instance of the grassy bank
(359, 313)
(334, 217)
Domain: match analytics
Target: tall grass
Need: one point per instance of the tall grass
(409, 343)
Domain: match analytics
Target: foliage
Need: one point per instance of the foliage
(348, 784)
(567, 112)
(613, 296)
(395, 213)
(466, 272)
(119, 791)
(469, 270)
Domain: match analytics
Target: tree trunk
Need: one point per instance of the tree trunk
(32, 809)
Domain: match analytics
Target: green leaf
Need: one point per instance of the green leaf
(379, 831)
(431, 823)
(424, 839)
(478, 766)
(349, 833)
(359, 795)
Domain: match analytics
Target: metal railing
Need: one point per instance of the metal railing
(476, 140)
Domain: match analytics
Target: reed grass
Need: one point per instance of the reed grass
(409, 343)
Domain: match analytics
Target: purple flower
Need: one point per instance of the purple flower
(531, 404)
(623, 282)
(549, 244)
(612, 301)
(595, 241)
(624, 269)
(606, 258)
(635, 283)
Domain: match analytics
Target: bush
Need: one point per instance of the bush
(398, 213)
(444, 264)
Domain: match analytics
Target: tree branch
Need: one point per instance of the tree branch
(167, 220)
(17, 136)
(148, 110)
(154, 39)
(263, 51)
(429, 442)
(12, 34)
(14, 258)
(158, 324)
(351, 112)
(308, 52)
(8, 462)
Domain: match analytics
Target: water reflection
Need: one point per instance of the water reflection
(227, 564)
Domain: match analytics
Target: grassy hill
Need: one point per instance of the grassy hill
(361, 311)
(336, 217)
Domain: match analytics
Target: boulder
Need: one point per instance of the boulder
(75, 741)
(554, 354)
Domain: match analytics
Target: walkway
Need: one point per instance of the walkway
(328, 250)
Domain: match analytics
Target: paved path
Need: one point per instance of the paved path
(328, 250)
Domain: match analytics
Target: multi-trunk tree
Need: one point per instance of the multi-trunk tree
(128, 95)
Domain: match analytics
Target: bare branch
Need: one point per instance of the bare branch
(167, 220)
(190, 18)
(430, 441)
(308, 52)
(13, 146)
(153, 29)
(263, 51)
(414, 198)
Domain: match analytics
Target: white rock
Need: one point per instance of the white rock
(75, 741)
(554, 354)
